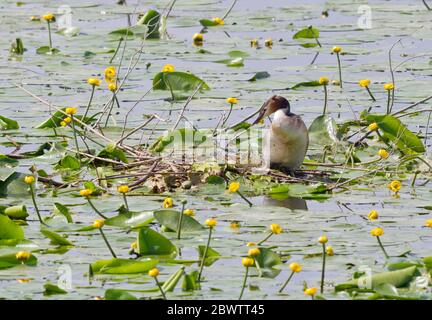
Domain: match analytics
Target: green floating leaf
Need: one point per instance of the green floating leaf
(169, 218)
(47, 50)
(306, 84)
(394, 130)
(236, 62)
(398, 278)
(259, 75)
(152, 243)
(151, 19)
(13, 185)
(118, 294)
(238, 54)
(130, 220)
(178, 81)
(56, 238)
(182, 138)
(8, 124)
(51, 289)
(307, 33)
(69, 162)
(122, 266)
(9, 229)
(10, 260)
(266, 260)
(211, 257)
(323, 131)
(16, 212)
(208, 23)
(113, 153)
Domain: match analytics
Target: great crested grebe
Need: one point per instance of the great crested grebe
(287, 140)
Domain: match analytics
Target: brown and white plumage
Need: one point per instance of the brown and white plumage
(287, 140)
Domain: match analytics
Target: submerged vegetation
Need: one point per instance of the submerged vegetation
(129, 155)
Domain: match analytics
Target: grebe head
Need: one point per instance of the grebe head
(272, 105)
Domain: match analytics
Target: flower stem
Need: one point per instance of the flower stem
(204, 255)
(388, 101)
(160, 288)
(228, 115)
(75, 137)
(382, 247)
(125, 202)
(323, 268)
(265, 239)
(118, 47)
(32, 192)
(370, 93)
(49, 35)
(107, 243)
(286, 282)
(244, 283)
(179, 224)
(89, 103)
(110, 110)
(325, 100)
(94, 208)
(340, 69)
(244, 198)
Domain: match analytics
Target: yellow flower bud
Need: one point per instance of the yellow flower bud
(377, 232)
(364, 83)
(322, 239)
(94, 82)
(134, 245)
(168, 203)
(198, 37)
(98, 224)
(310, 291)
(428, 223)
(219, 21)
(22, 256)
(112, 87)
(67, 119)
(323, 81)
(49, 17)
(248, 262)
(254, 43)
(29, 179)
(329, 251)
(268, 42)
(211, 223)
(295, 267)
(336, 49)
(168, 68)
(254, 252)
(373, 215)
(395, 185)
(251, 244)
(63, 124)
(153, 272)
(234, 186)
(86, 192)
(189, 212)
(123, 189)
(275, 228)
(389, 86)
(373, 126)
(110, 74)
(232, 100)
(383, 153)
(71, 110)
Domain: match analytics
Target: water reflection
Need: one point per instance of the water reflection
(292, 203)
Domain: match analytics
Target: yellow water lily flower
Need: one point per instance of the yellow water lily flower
(94, 82)
(123, 189)
(364, 83)
(22, 255)
(377, 232)
(189, 212)
(98, 224)
(67, 119)
(268, 42)
(373, 126)
(295, 267)
(310, 291)
(254, 252)
(337, 49)
(428, 223)
(389, 86)
(329, 251)
(71, 110)
(234, 186)
(49, 17)
(373, 215)
(254, 43)
(29, 179)
(395, 185)
(218, 21)
(63, 124)
(198, 37)
(322, 239)
(86, 192)
(168, 68)
(211, 223)
(110, 74)
(232, 100)
(383, 153)
(112, 87)
(324, 81)
(153, 272)
(168, 203)
(275, 228)
(248, 262)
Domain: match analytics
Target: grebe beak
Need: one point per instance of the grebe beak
(264, 111)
